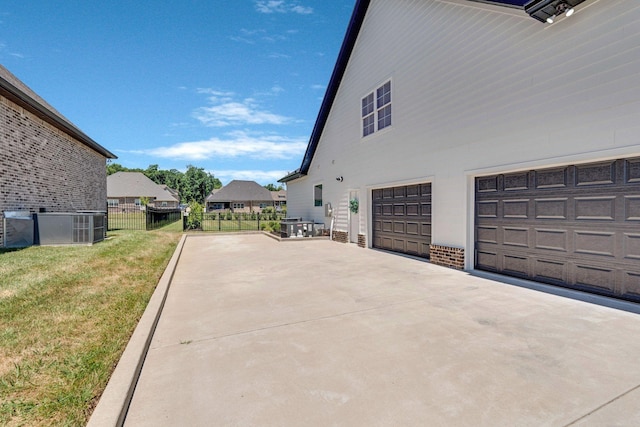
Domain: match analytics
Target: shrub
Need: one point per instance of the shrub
(194, 220)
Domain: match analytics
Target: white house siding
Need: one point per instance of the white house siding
(476, 89)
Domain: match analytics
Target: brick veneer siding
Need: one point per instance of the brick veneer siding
(43, 167)
(340, 236)
(447, 256)
(362, 240)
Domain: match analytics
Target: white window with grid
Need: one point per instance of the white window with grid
(376, 110)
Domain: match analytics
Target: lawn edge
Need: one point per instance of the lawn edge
(114, 402)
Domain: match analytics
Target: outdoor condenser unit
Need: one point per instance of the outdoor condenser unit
(84, 228)
(296, 227)
(17, 229)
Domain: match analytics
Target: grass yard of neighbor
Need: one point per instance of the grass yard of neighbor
(66, 315)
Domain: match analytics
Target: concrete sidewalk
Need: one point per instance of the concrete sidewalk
(315, 333)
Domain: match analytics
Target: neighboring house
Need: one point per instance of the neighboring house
(279, 199)
(127, 192)
(478, 137)
(46, 162)
(240, 196)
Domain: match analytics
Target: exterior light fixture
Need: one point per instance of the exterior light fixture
(563, 7)
(339, 178)
(547, 11)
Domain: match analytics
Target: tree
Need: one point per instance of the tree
(197, 184)
(272, 187)
(194, 185)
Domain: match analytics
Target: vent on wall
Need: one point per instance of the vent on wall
(546, 11)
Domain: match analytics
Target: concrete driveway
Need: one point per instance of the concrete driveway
(315, 333)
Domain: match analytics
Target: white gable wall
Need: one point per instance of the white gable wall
(476, 89)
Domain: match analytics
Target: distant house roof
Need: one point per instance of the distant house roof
(16, 91)
(279, 196)
(136, 184)
(240, 191)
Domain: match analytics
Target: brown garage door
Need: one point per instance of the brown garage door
(402, 219)
(575, 226)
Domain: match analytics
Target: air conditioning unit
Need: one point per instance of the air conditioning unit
(83, 228)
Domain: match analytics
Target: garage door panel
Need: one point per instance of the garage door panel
(632, 208)
(632, 171)
(425, 230)
(425, 209)
(413, 190)
(551, 239)
(599, 278)
(413, 228)
(516, 236)
(488, 209)
(550, 271)
(405, 216)
(413, 209)
(487, 260)
(595, 243)
(551, 208)
(551, 178)
(631, 246)
(595, 208)
(516, 265)
(487, 184)
(631, 284)
(576, 226)
(386, 243)
(516, 181)
(596, 174)
(517, 209)
(412, 247)
(487, 234)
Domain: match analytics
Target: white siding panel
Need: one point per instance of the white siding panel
(478, 87)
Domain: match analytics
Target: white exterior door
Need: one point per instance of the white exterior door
(354, 218)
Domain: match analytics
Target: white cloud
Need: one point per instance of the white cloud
(281, 6)
(260, 176)
(302, 10)
(238, 144)
(227, 112)
(318, 87)
(278, 56)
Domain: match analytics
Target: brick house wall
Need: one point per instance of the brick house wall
(43, 167)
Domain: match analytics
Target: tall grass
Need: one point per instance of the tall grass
(66, 314)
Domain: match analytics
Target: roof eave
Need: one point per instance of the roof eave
(17, 96)
(292, 176)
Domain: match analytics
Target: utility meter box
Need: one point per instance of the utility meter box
(328, 210)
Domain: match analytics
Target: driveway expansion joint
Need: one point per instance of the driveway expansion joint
(618, 397)
(299, 322)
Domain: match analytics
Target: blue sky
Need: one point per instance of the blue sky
(233, 86)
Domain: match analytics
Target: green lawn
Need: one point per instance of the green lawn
(66, 315)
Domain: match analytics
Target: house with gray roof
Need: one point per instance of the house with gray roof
(242, 196)
(129, 191)
(47, 163)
